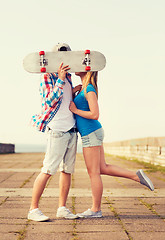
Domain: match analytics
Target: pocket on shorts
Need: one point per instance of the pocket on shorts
(99, 134)
(57, 134)
(85, 140)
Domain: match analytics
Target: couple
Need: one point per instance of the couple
(57, 120)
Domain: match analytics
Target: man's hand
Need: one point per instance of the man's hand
(77, 88)
(62, 71)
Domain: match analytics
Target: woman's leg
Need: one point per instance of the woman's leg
(92, 160)
(112, 170)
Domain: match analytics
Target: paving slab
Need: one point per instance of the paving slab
(130, 211)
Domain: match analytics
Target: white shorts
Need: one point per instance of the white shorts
(60, 153)
(93, 139)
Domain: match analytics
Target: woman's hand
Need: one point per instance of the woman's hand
(93, 112)
(62, 71)
(72, 107)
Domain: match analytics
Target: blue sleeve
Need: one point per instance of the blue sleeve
(90, 88)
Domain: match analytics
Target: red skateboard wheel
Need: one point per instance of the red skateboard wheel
(41, 53)
(45, 76)
(87, 68)
(87, 51)
(43, 69)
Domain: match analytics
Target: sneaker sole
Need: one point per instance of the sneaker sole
(44, 220)
(71, 218)
(90, 216)
(147, 180)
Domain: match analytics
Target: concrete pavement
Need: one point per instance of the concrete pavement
(130, 211)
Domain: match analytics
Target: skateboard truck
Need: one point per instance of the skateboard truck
(43, 61)
(87, 61)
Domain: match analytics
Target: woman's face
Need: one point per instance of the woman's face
(80, 74)
(77, 73)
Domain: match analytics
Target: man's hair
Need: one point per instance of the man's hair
(61, 47)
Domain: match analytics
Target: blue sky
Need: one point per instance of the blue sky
(130, 33)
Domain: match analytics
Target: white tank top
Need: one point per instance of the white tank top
(64, 120)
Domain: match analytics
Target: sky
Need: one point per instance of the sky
(131, 35)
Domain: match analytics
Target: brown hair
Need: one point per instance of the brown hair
(90, 78)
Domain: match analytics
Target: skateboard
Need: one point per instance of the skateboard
(78, 61)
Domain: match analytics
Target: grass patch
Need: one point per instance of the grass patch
(151, 208)
(148, 166)
(22, 233)
(4, 201)
(118, 217)
(74, 232)
(26, 181)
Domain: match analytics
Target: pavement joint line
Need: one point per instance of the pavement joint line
(20, 170)
(122, 184)
(85, 192)
(113, 210)
(14, 164)
(77, 170)
(26, 181)
(74, 232)
(23, 231)
(161, 178)
(7, 178)
(151, 208)
(4, 201)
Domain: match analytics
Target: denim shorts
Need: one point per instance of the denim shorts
(61, 152)
(93, 139)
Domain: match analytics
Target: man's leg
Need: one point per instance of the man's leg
(38, 188)
(67, 165)
(64, 185)
(67, 168)
(39, 185)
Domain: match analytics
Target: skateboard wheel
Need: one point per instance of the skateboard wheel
(87, 51)
(41, 53)
(87, 68)
(43, 69)
(45, 76)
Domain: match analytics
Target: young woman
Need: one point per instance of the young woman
(85, 107)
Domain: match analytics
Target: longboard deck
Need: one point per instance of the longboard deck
(74, 59)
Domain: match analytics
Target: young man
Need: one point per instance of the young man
(57, 120)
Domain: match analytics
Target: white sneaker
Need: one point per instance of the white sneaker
(37, 215)
(63, 212)
(145, 180)
(90, 214)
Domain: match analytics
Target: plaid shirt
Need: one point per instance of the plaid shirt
(51, 91)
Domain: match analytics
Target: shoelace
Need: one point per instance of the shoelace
(68, 211)
(40, 213)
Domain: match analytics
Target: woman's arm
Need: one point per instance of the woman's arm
(93, 113)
